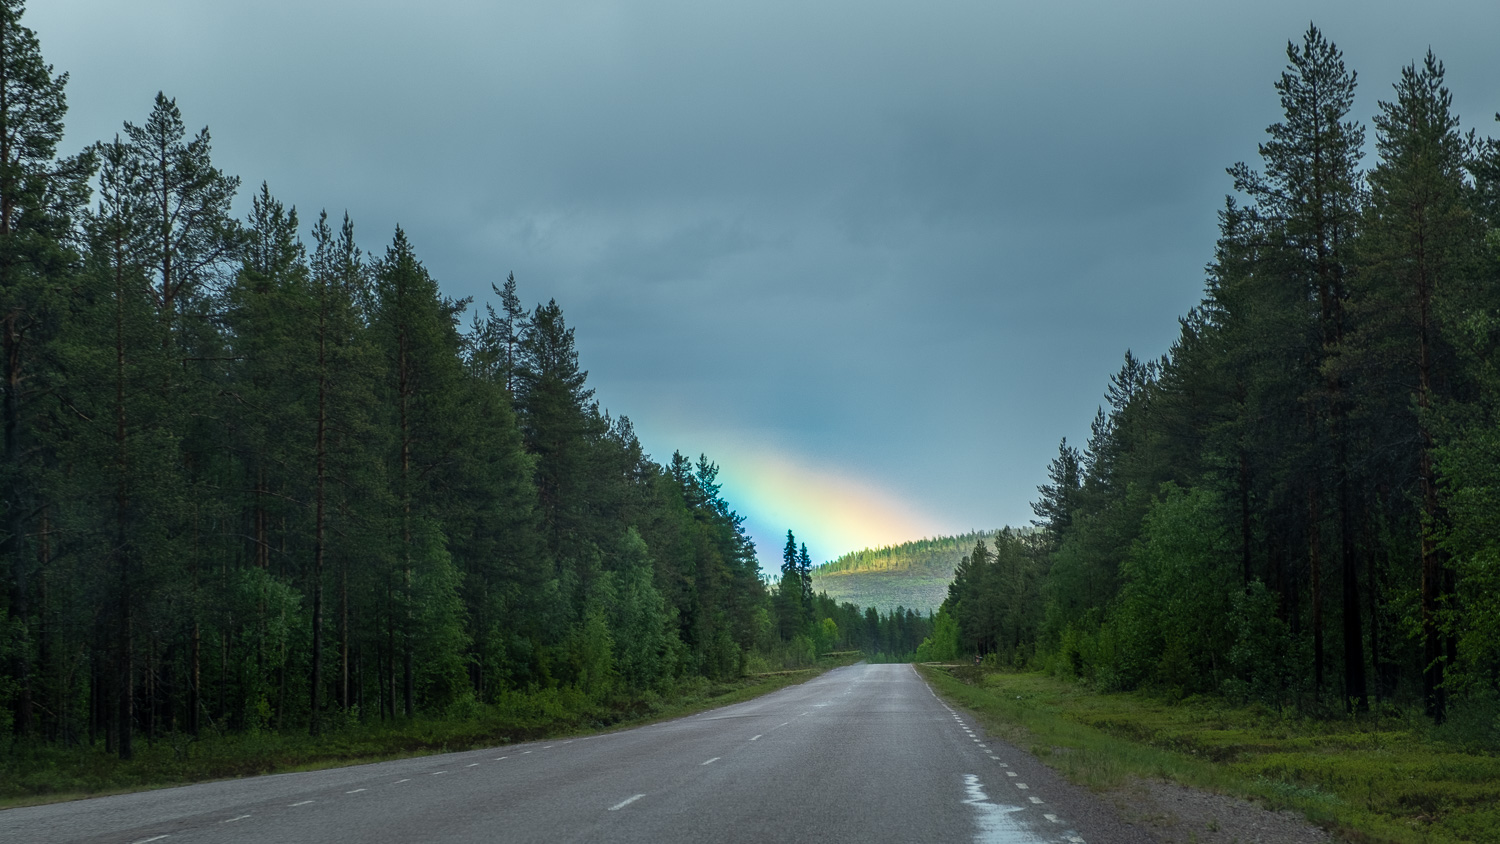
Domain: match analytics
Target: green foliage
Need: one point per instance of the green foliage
(942, 645)
(643, 628)
(1266, 663)
(1173, 607)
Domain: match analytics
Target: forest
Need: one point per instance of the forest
(933, 557)
(1297, 503)
(911, 575)
(256, 479)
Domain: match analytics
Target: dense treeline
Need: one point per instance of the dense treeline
(253, 481)
(936, 557)
(813, 623)
(1297, 503)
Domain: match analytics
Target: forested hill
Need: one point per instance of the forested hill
(914, 575)
(935, 557)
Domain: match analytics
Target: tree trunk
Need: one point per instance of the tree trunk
(1356, 693)
(125, 690)
(321, 465)
(1315, 568)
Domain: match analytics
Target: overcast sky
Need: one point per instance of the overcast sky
(873, 258)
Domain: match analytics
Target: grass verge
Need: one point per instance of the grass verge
(1367, 780)
(31, 774)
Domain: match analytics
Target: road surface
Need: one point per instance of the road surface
(865, 753)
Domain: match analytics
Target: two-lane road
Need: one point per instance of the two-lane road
(864, 753)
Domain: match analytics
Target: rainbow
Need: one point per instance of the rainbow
(830, 509)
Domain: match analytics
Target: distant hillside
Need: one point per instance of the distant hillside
(914, 575)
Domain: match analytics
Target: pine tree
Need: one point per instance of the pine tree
(1309, 199)
(40, 196)
(1059, 498)
(554, 409)
(1420, 235)
(415, 326)
(790, 604)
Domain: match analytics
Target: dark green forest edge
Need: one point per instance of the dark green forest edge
(1296, 510)
(268, 502)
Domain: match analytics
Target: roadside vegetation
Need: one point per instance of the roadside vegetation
(41, 773)
(1383, 777)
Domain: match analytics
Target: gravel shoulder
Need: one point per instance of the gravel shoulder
(1176, 814)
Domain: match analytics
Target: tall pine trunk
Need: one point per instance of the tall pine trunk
(321, 461)
(124, 681)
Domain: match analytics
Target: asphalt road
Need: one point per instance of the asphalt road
(865, 753)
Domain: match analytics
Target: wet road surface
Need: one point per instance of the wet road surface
(865, 753)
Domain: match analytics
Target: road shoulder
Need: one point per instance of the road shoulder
(1161, 810)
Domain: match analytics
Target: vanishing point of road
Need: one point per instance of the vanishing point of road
(865, 753)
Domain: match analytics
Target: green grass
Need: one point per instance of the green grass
(32, 773)
(1368, 780)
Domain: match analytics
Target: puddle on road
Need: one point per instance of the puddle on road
(998, 823)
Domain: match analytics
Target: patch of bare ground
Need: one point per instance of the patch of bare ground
(1176, 814)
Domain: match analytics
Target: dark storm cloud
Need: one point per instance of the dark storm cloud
(907, 240)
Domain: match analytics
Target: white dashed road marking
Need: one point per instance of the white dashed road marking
(356, 791)
(303, 803)
(753, 738)
(149, 840)
(240, 818)
(710, 762)
(626, 802)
